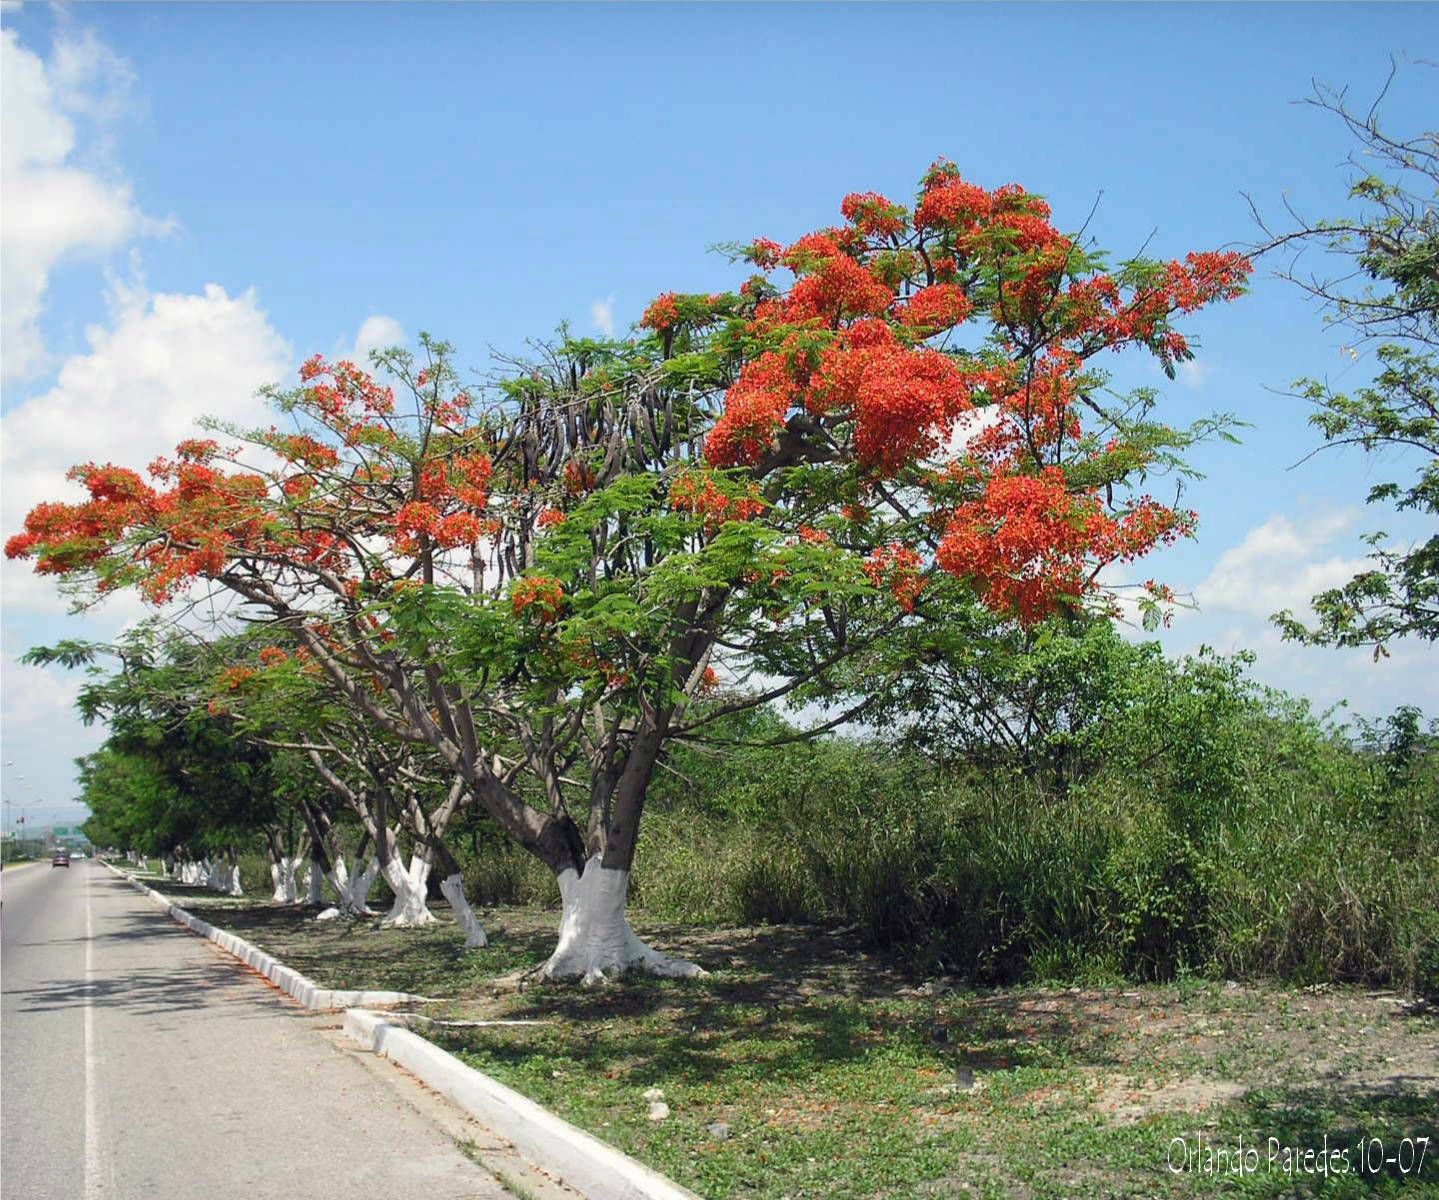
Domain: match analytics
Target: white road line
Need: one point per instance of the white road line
(93, 1188)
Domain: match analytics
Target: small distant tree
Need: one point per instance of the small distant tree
(1387, 296)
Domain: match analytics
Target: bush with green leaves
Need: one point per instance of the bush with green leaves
(1223, 829)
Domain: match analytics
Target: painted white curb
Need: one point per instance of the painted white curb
(597, 1171)
(288, 980)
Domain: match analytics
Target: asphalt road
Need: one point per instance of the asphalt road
(138, 1061)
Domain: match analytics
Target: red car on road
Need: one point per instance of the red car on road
(61, 858)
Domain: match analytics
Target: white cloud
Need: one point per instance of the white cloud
(602, 313)
(1278, 565)
(1195, 373)
(53, 208)
(165, 360)
(378, 332)
(35, 696)
(88, 78)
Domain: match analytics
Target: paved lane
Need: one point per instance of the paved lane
(137, 1061)
(42, 1054)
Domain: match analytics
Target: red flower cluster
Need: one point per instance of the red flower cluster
(1101, 314)
(897, 567)
(765, 253)
(201, 518)
(901, 400)
(952, 204)
(579, 477)
(663, 313)
(419, 526)
(839, 288)
(1031, 544)
(1034, 412)
(754, 413)
(873, 215)
(1024, 544)
(543, 594)
(235, 678)
(696, 492)
(451, 496)
(551, 517)
(347, 398)
(305, 451)
(939, 306)
(273, 656)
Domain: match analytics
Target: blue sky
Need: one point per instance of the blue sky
(197, 197)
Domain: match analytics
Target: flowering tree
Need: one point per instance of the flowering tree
(549, 590)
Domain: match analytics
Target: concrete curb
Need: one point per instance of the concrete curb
(594, 1169)
(288, 980)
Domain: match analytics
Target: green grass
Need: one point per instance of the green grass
(1078, 1095)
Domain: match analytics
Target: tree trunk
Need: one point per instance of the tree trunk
(353, 890)
(453, 888)
(314, 886)
(230, 874)
(409, 910)
(285, 875)
(596, 941)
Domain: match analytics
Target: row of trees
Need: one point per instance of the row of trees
(873, 469)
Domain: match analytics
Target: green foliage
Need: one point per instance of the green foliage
(173, 771)
(1215, 826)
(1388, 292)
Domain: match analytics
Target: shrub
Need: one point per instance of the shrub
(1225, 830)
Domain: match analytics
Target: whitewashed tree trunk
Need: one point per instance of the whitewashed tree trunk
(314, 887)
(409, 910)
(353, 890)
(596, 941)
(285, 875)
(453, 889)
(230, 880)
